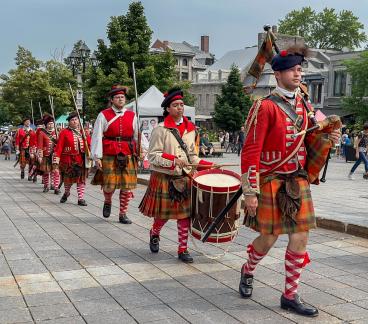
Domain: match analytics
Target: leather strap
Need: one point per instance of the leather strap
(184, 146)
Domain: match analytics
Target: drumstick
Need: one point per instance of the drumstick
(212, 165)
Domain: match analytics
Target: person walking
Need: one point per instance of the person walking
(360, 145)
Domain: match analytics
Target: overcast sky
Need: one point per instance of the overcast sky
(45, 25)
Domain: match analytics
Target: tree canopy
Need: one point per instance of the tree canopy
(34, 80)
(232, 106)
(357, 103)
(326, 29)
(129, 38)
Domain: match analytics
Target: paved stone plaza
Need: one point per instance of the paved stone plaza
(62, 263)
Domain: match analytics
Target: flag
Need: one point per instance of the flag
(265, 54)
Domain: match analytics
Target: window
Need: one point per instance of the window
(184, 75)
(185, 62)
(316, 93)
(199, 100)
(177, 62)
(339, 83)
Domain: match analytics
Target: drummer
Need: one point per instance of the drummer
(171, 149)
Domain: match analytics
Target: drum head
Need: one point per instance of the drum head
(217, 180)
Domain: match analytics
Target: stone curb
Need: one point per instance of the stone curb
(329, 224)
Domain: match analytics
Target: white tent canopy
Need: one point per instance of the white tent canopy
(149, 104)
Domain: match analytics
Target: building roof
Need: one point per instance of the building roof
(241, 58)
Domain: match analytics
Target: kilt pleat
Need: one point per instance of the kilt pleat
(68, 178)
(268, 219)
(112, 178)
(157, 203)
(23, 158)
(46, 165)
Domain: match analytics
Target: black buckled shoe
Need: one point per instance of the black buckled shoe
(22, 174)
(106, 211)
(30, 178)
(46, 189)
(246, 285)
(64, 198)
(297, 305)
(124, 219)
(154, 243)
(34, 179)
(185, 257)
(57, 191)
(82, 202)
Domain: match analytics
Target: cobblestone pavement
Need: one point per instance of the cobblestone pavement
(62, 263)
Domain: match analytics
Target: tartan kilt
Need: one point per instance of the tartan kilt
(269, 218)
(46, 165)
(24, 158)
(68, 178)
(112, 178)
(157, 203)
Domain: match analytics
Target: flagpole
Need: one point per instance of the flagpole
(32, 112)
(39, 106)
(136, 111)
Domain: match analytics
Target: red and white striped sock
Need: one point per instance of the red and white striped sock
(67, 189)
(183, 231)
(254, 258)
(125, 196)
(157, 225)
(31, 173)
(80, 190)
(56, 180)
(108, 197)
(45, 178)
(294, 264)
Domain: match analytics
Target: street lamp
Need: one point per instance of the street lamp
(78, 59)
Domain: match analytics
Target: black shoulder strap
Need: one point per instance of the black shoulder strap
(52, 139)
(184, 146)
(288, 110)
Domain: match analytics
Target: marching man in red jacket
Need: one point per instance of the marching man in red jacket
(275, 164)
(46, 141)
(22, 147)
(114, 139)
(69, 155)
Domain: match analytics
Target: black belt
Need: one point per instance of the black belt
(119, 139)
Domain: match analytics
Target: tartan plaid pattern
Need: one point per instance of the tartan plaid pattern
(112, 178)
(23, 161)
(264, 55)
(46, 165)
(317, 147)
(68, 179)
(269, 218)
(157, 203)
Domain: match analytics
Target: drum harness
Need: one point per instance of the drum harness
(176, 185)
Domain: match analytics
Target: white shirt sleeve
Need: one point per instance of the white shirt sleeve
(98, 129)
(135, 128)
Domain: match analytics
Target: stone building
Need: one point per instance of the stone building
(316, 73)
(189, 58)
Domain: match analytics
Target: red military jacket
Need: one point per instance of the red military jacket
(22, 138)
(269, 146)
(46, 141)
(118, 127)
(70, 147)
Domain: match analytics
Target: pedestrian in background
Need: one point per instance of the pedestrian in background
(360, 145)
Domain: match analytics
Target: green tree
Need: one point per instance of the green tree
(232, 106)
(129, 41)
(326, 29)
(357, 103)
(34, 80)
